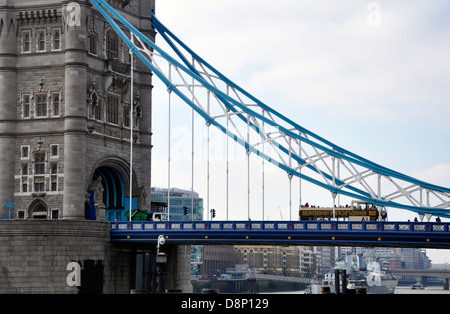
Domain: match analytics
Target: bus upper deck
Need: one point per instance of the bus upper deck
(357, 211)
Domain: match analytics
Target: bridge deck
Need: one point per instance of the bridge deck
(340, 233)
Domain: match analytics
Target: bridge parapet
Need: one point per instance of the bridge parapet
(279, 226)
(370, 233)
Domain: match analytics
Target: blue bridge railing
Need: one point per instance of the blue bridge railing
(351, 233)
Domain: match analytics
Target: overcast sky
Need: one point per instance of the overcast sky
(372, 77)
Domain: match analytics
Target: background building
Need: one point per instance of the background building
(182, 201)
(325, 259)
(398, 258)
(179, 201)
(307, 261)
(271, 259)
(216, 260)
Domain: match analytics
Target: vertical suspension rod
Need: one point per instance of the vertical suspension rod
(207, 161)
(168, 153)
(248, 167)
(192, 148)
(227, 165)
(300, 170)
(262, 166)
(131, 130)
(290, 179)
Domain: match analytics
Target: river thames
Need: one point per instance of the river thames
(398, 290)
(427, 290)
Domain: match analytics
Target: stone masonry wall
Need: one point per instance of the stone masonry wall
(34, 257)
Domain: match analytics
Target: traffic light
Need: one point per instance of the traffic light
(185, 210)
(213, 213)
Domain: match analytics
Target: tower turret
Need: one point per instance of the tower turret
(8, 101)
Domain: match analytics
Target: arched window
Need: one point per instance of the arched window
(56, 104)
(41, 106)
(38, 210)
(93, 43)
(41, 41)
(26, 106)
(39, 163)
(26, 43)
(56, 40)
(112, 45)
(112, 109)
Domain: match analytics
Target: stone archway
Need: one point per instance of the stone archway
(109, 190)
(38, 209)
(113, 188)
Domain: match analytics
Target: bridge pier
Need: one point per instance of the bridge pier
(178, 268)
(61, 256)
(77, 256)
(164, 273)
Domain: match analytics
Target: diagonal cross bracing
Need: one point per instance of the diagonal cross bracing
(267, 133)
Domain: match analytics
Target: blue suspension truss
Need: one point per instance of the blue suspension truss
(263, 131)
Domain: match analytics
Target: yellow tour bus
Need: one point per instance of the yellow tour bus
(357, 211)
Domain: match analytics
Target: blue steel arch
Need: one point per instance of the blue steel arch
(287, 129)
(112, 181)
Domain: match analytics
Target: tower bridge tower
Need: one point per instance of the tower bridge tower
(65, 110)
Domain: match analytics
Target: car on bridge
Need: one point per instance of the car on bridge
(146, 215)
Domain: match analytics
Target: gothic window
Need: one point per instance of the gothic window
(39, 211)
(39, 171)
(93, 43)
(98, 112)
(54, 184)
(112, 45)
(26, 35)
(56, 104)
(54, 150)
(54, 172)
(26, 106)
(112, 109)
(39, 163)
(41, 106)
(54, 177)
(54, 168)
(126, 117)
(24, 151)
(25, 178)
(55, 214)
(25, 169)
(56, 39)
(39, 184)
(41, 40)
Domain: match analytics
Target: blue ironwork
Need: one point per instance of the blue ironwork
(10, 205)
(114, 187)
(338, 233)
(408, 191)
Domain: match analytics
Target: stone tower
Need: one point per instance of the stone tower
(65, 111)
